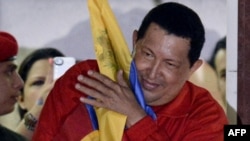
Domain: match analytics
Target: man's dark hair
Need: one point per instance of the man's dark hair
(179, 20)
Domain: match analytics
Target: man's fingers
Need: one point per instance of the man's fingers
(120, 79)
(99, 82)
(91, 101)
(89, 91)
(102, 78)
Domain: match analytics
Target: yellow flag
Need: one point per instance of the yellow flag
(111, 49)
(112, 53)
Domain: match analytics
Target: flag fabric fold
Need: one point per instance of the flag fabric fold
(110, 46)
(112, 54)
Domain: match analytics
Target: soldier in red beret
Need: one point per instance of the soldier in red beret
(10, 82)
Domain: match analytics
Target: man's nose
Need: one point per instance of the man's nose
(18, 81)
(154, 70)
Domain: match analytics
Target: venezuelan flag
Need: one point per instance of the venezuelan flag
(112, 54)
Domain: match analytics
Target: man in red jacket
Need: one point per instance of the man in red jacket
(167, 48)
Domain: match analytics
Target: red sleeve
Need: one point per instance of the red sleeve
(62, 100)
(203, 120)
(146, 130)
(209, 128)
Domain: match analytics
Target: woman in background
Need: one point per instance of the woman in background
(36, 72)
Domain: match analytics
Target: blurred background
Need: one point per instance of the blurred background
(64, 24)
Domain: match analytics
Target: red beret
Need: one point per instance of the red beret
(8, 46)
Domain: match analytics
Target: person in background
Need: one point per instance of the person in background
(212, 74)
(206, 77)
(36, 72)
(218, 62)
(10, 83)
(167, 48)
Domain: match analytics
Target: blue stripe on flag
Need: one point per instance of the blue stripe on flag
(92, 116)
(136, 87)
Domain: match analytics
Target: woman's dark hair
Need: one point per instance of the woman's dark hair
(27, 63)
(179, 20)
(221, 44)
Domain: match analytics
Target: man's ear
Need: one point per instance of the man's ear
(135, 33)
(134, 42)
(195, 66)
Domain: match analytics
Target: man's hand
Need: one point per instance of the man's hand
(106, 93)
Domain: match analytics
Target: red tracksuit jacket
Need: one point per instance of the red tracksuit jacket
(192, 116)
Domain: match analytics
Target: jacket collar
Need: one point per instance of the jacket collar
(178, 107)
